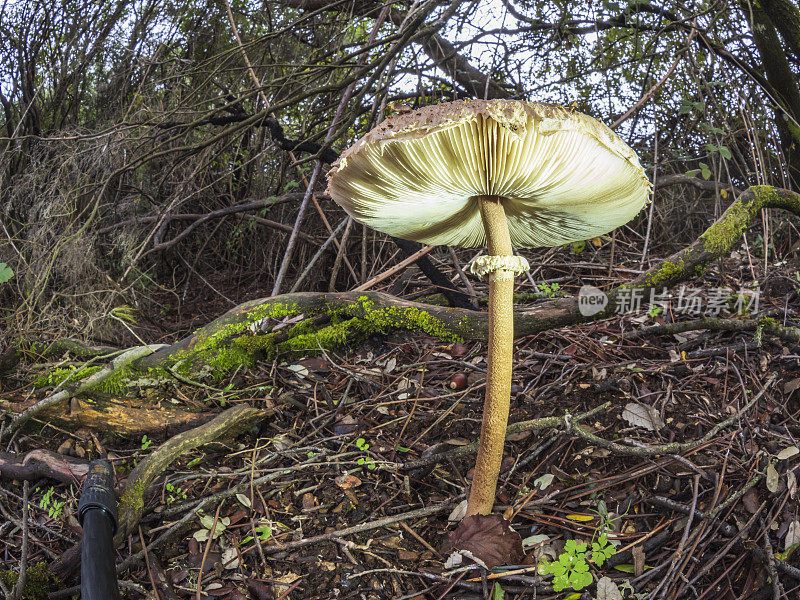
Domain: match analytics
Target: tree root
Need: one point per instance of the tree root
(763, 325)
(73, 388)
(674, 447)
(131, 503)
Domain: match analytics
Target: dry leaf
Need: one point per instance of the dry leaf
(347, 481)
(258, 590)
(230, 559)
(298, 370)
(309, 501)
(638, 560)
(750, 501)
(788, 452)
(608, 590)
(641, 415)
(519, 436)
(345, 425)
(580, 518)
(791, 386)
(535, 539)
(283, 583)
(486, 539)
(459, 512)
(792, 535)
(772, 478)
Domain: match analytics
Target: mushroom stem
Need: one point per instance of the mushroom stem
(500, 349)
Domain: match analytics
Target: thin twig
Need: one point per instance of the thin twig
(370, 525)
(395, 269)
(23, 561)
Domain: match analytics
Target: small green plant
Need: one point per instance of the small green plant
(6, 273)
(607, 522)
(654, 311)
(498, 593)
(207, 523)
(570, 570)
(174, 493)
(602, 550)
(365, 461)
(53, 506)
(550, 290)
(146, 441)
(263, 531)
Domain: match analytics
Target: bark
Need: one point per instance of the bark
(785, 15)
(115, 417)
(43, 463)
(782, 79)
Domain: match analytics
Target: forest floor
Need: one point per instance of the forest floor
(350, 488)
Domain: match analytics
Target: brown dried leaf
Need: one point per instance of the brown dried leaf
(750, 501)
(488, 538)
(347, 481)
(258, 590)
(309, 501)
(638, 560)
(791, 386)
(345, 425)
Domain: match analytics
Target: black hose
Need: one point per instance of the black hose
(97, 513)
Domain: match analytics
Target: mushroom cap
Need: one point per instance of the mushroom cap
(563, 176)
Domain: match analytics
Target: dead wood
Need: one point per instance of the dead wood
(43, 463)
(131, 503)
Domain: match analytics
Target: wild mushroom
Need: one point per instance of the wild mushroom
(501, 173)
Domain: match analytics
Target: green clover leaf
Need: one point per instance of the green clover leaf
(560, 582)
(579, 580)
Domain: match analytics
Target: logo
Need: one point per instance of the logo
(591, 300)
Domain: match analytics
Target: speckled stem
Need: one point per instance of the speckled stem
(499, 360)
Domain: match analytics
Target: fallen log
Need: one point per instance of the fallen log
(303, 323)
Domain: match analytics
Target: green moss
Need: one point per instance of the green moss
(38, 582)
(332, 336)
(133, 498)
(353, 324)
(231, 345)
(115, 384)
(667, 272)
(57, 376)
(395, 317)
(723, 234)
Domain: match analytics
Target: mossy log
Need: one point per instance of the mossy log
(245, 333)
(305, 322)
